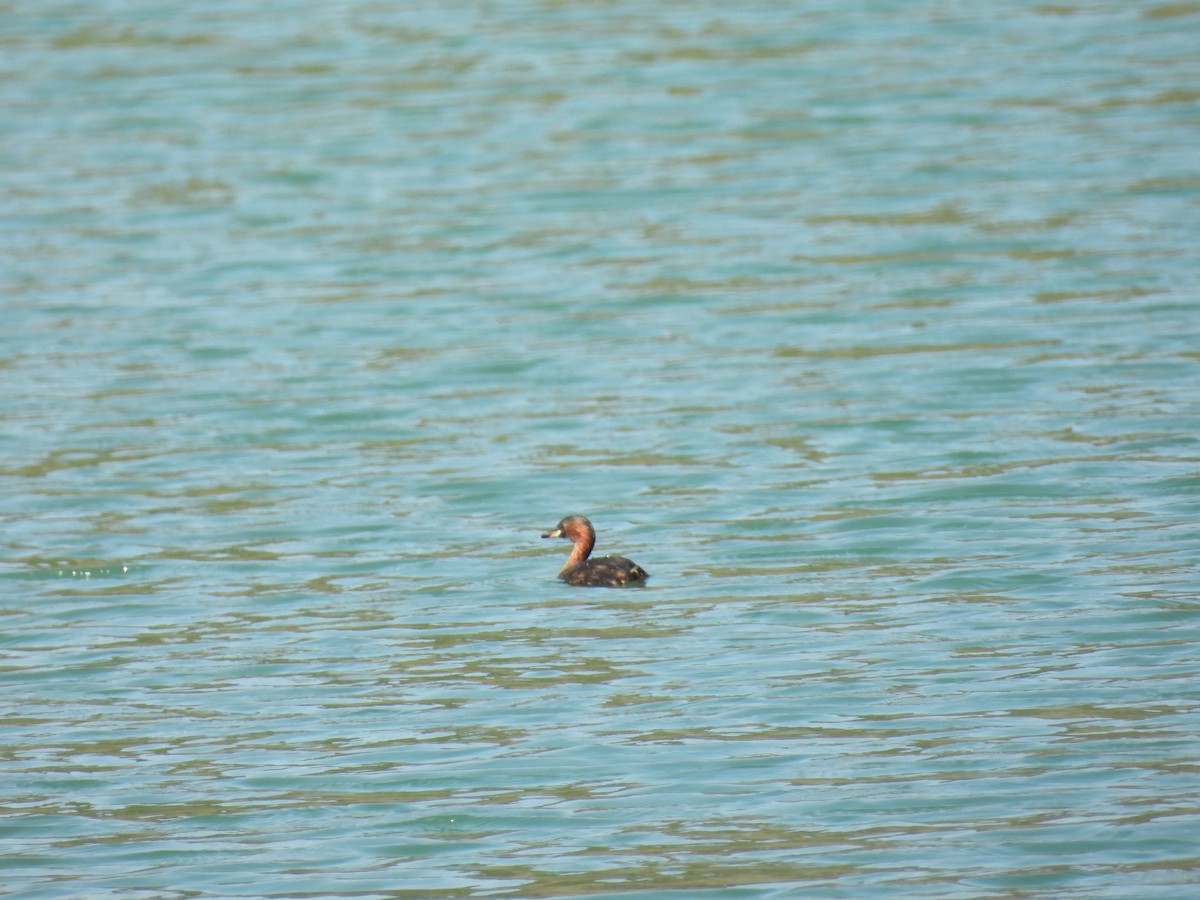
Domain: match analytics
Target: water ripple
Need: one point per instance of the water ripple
(868, 331)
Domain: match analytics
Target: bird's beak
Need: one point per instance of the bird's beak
(557, 532)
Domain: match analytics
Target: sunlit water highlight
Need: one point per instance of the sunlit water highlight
(869, 330)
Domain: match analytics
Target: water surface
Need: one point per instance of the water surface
(869, 330)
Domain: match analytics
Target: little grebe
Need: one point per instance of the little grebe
(603, 571)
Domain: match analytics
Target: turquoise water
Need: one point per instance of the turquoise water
(870, 330)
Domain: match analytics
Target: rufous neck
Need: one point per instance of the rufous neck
(584, 542)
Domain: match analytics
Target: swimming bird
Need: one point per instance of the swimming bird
(602, 571)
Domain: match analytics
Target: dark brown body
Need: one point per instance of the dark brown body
(603, 571)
